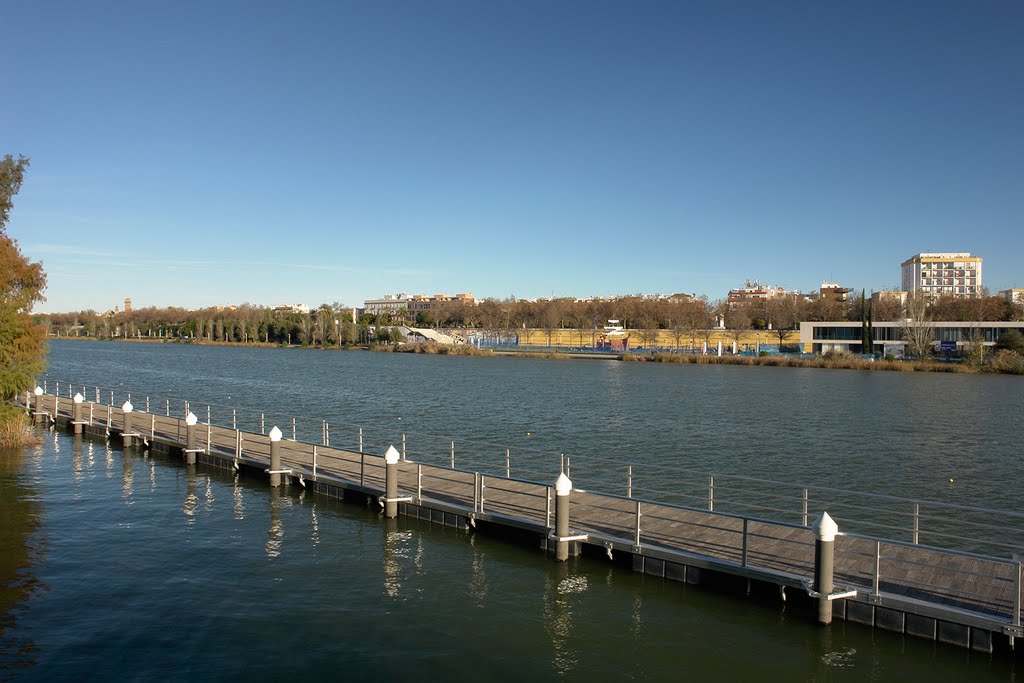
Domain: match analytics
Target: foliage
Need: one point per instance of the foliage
(1012, 340)
(21, 284)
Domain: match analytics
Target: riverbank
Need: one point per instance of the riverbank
(1001, 363)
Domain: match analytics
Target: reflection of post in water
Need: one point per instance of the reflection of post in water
(238, 502)
(314, 535)
(91, 457)
(392, 570)
(127, 476)
(478, 575)
(76, 459)
(109, 459)
(189, 508)
(560, 585)
(397, 546)
(275, 534)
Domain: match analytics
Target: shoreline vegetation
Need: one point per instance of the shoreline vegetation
(1001, 361)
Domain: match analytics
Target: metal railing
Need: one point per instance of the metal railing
(875, 566)
(946, 525)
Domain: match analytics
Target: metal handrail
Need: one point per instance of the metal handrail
(470, 455)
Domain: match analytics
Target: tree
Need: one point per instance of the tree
(22, 354)
(783, 315)
(918, 330)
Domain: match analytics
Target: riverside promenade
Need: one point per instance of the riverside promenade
(965, 599)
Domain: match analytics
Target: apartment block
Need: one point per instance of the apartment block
(957, 274)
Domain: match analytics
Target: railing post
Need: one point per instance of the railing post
(167, 407)
(711, 493)
(1016, 608)
(629, 481)
(294, 437)
(362, 468)
(314, 462)
(636, 537)
(805, 506)
(483, 486)
(403, 445)
(234, 419)
(508, 464)
(360, 439)
(917, 522)
(453, 455)
(746, 535)
(547, 509)
(876, 582)
(419, 483)
(263, 424)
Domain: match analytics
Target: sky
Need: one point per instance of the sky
(210, 153)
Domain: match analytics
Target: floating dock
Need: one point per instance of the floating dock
(964, 599)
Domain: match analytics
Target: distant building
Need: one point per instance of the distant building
(389, 304)
(755, 291)
(127, 304)
(830, 291)
(957, 274)
(888, 337)
(292, 308)
(901, 297)
(1014, 296)
(421, 303)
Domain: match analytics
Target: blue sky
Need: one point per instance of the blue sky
(203, 153)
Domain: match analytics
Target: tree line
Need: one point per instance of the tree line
(687, 319)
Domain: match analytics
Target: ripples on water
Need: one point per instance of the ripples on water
(926, 435)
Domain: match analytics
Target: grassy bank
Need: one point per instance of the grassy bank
(1003, 362)
(15, 428)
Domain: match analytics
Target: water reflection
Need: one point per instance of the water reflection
(397, 547)
(152, 475)
(559, 587)
(238, 502)
(314, 536)
(209, 499)
(77, 465)
(21, 513)
(478, 575)
(191, 501)
(275, 534)
(127, 478)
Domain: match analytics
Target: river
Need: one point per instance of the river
(131, 566)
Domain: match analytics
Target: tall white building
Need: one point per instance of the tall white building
(953, 273)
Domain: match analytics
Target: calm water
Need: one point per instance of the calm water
(126, 566)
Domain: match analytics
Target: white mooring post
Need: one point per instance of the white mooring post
(563, 489)
(126, 424)
(76, 414)
(825, 530)
(275, 457)
(391, 458)
(190, 438)
(39, 404)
